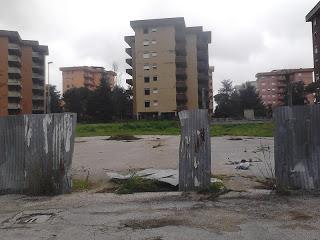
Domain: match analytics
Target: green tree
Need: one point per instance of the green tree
(76, 100)
(250, 99)
(100, 104)
(298, 93)
(55, 100)
(121, 102)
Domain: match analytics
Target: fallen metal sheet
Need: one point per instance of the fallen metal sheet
(170, 176)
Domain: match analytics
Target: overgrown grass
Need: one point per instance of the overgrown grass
(79, 185)
(171, 128)
(138, 184)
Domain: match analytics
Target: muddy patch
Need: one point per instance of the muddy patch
(153, 223)
(127, 138)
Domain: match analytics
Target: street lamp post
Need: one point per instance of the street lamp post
(48, 91)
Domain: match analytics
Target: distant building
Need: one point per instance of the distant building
(22, 79)
(314, 17)
(85, 76)
(170, 67)
(271, 85)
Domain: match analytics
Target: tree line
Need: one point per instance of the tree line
(99, 105)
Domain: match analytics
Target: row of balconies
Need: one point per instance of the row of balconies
(14, 82)
(37, 107)
(14, 106)
(14, 49)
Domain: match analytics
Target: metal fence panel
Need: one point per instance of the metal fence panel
(297, 146)
(194, 151)
(36, 153)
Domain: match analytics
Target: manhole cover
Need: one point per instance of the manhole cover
(34, 218)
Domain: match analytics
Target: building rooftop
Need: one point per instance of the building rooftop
(313, 12)
(15, 37)
(284, 71)
(87, 68)
(178, 21)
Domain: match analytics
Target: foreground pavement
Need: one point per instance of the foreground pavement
(156, 216)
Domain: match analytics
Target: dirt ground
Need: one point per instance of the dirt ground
(244, 213)
(98, 155)
(156, 216)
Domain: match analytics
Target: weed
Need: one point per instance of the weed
(138, 184)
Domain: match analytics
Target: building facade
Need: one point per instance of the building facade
(272, 85)
(210, 94)
(86, 76)
(22, 75)
(170, 67)
(314, 17)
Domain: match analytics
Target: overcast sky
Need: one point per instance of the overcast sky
(248, 36)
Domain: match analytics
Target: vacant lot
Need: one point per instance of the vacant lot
(171, 128)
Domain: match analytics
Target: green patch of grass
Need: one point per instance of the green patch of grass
(245, 129)
(138, 184)
(170, 128)
(81, 185)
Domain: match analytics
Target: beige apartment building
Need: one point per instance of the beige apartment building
(85, 76)
(271, 85)
(22, 79)
(170, 67)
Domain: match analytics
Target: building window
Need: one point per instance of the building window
(263, 84)
(154, 66)
(273, 89)
(155, 90)
(153, 30)
(146, 55)
(273, 83)
(155, 78)
(146, 104)
(263, 90)
(68, 86)
(145, 30)
(153, 42)
(299, 74)
(146, 67)
(154, 54)
(146, 43)
(273, 96)
(147, 91)
(273, 77)
(155, 103)
(146, 79)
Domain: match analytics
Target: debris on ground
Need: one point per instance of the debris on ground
(243, 166)
(122, 138)
(235, 138)
(158, 145)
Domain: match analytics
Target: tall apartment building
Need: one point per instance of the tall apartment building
(170, 67)
(314, 17)
(86, 76)
(22, 80)
(271, 85)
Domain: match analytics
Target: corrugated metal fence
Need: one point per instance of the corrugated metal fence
(297, 146)
(194, 151)
(36, 153)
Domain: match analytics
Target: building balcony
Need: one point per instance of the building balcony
(181, 71)
(129, 61)
(14, 94)
(129, 51)
(37, 87)
(129, 71)
(129, 40)
(14, 82)
(203, 66)
(14, 49)
(181, 85)
(14, 59)
(202, 77)
(37, 55)
(181, 97)
(37, 108)
(37, 67)
(14, 72)
(180, 36)
(14, 106)
(129, 81)
(38, 97)
(37, 76)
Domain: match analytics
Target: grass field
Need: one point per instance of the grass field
(171, 128)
